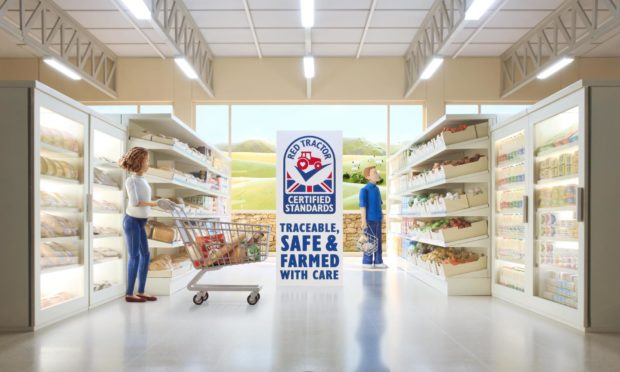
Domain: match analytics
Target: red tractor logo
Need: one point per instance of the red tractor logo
(306, 159)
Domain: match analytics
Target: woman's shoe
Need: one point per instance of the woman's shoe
(134, 299)
(147, 297)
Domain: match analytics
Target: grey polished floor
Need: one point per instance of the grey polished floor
(378, 321)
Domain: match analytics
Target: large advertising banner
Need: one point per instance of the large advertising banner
(309, 207)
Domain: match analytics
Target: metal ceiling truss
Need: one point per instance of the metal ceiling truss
(49, 31)
(444, 20)
(174, 21)
(574, 25)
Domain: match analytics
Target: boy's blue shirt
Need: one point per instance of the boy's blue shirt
(370, 198)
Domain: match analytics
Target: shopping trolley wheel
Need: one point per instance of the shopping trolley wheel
(205, 296)
(253, 299)
(198, 300)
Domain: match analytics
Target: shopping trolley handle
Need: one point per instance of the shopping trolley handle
(167, 205)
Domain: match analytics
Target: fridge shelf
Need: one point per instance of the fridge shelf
(558, 268)
(556, 209)
(541, 155)
(60, 179)
(558, 181)
(58, 268)
(57, 150)
(473, 144)
(61, 239)
(510, 163)
(61, 209)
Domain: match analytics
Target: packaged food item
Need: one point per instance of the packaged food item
(55, 226)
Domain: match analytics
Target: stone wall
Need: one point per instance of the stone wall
(352, 225)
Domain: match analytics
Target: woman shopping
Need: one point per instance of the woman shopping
(136, 162)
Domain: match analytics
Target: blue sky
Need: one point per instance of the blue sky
(263, 121)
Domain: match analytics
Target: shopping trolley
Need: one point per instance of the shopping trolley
(212, 245)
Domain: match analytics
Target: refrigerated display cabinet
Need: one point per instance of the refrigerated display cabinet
(555, 181)
(48, 268)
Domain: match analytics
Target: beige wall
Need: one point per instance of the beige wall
(337, 80)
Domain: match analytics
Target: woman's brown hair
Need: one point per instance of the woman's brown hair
(133, 160)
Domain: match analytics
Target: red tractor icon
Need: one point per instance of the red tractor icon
(306, 159)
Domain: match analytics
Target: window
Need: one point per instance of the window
(406, 123)
(252, 142)
(212, 124)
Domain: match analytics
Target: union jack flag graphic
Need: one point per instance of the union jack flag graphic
(293, 186)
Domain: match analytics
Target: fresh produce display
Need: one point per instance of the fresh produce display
(421, 204)
(559, 166)
(551, 254)
(552, 226)
(411, 225)
(437, 171)
(559, 140)
(558, 196)
(450, 256)
(458, 133)
(439, 255)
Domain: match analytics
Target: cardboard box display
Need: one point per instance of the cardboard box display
(448, 270)
(454, 233)
(478, 200)
(482, 130)
(449, 138)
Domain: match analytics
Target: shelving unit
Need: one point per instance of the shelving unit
(565, 208)
(145, 131)
(435, 145)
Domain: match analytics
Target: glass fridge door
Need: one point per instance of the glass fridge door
(556, 176)
(510, 210)
(61, 205)
(107, 254)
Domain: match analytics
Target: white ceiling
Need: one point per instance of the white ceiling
(338, 28)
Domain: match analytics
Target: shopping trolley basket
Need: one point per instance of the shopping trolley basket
(212, 245)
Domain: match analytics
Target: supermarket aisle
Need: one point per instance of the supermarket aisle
(379, 321)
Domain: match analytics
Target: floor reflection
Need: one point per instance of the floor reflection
(309, 329)
(370, 328)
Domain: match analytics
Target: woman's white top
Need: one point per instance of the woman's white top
(138, 190)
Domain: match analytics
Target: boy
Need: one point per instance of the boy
(370, 206)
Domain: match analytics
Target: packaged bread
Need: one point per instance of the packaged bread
(53, 226)
(165, 233)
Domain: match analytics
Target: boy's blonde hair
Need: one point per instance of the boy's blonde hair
(367, 170)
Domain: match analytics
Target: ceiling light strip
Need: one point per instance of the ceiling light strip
(174, 22)
(136, 27)
(66, 41)
(486, 21)
(443, 22)
(559, 35)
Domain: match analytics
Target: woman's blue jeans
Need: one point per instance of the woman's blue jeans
(138, 253)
